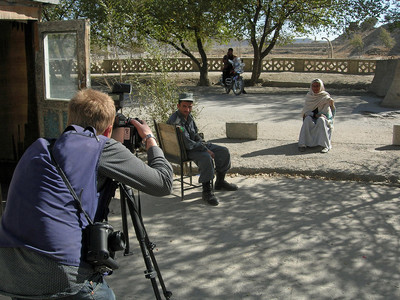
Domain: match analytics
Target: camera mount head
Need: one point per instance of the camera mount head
(120, 90)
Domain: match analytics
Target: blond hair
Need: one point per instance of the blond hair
(91, 108)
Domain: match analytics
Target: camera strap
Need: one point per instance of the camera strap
(68, 184)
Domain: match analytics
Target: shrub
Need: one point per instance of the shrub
(357, 42)
(155, 94)
(386, 39)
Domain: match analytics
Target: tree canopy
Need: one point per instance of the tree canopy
(189, 26)
(265, 22)
(112, 22)
(186, 25)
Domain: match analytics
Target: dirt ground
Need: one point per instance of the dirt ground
(303, 77)
(279, 81)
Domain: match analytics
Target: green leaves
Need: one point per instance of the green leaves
(111, 21)
(189, 25)
(266, 22)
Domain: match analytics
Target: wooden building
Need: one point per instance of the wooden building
(42, 65)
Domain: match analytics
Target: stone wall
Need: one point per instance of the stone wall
(328, 65)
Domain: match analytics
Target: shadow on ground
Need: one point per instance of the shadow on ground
(276, 238)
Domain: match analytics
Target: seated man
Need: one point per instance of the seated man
(202, 153)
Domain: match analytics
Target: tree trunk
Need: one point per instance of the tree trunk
(256, 70)
(204, 80)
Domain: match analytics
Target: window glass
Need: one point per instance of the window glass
(60, 63)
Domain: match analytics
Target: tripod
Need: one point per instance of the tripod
(128, 200)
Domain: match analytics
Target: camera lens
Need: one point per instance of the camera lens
(116, 241)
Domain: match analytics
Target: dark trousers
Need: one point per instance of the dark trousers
(226, 73)
(205, 162)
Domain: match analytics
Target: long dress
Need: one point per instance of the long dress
(317, 131)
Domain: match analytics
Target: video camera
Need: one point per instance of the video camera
(123, 130)
(126, 133)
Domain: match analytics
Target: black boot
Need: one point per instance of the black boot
(222, 184)
(208, 194)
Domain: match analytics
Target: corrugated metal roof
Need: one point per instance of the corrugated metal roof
(47, 1)
(23, 9)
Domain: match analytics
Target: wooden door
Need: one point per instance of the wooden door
(63, 67)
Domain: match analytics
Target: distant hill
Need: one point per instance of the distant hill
(373, 46)
(303, 41)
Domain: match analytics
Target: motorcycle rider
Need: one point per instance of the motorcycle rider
(227, 68)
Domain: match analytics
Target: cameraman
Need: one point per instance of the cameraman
(41, 254)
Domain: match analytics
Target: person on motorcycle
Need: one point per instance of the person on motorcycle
(227, 68)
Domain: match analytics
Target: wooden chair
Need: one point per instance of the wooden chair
(170, 138)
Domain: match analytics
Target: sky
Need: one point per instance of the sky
(319, 36)
(331, 36)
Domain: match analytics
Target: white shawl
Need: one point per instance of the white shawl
(318, 100)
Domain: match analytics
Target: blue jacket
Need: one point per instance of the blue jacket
(41, 213)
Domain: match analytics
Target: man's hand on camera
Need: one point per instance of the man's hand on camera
(142, 127)
(145, 133)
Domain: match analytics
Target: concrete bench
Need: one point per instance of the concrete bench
(241, 130)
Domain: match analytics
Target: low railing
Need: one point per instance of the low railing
(327, 65)
(319, 65)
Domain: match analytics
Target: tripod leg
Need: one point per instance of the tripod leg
(145, 245)
(149, 273)
(125, 223)
(151, 246)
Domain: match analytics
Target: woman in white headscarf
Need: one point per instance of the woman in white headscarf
(318, 113)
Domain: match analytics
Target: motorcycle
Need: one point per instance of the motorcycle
(235, 81)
